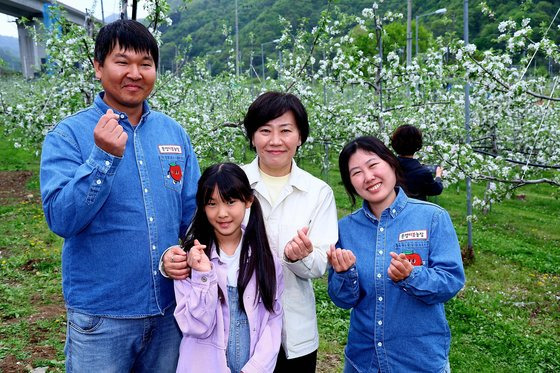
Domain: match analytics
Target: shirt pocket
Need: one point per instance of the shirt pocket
(173, 169)
(416, 251)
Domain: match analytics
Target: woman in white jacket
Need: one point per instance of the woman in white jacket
(300, 217)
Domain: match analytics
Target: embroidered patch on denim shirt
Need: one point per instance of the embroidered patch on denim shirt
(170, 149)
(175, 172)
(414, 258)
(414, 235)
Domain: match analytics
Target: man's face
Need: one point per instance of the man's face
(127, 78)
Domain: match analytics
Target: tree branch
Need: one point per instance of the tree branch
(315, 41)
(416, 105)
(553, 167)
(531, 93)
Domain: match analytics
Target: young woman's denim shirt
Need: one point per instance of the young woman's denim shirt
(398, 327)
(118, 215)
(203, 316)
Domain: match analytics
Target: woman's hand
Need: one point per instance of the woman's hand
(175, 263)
(400, 267)
(341, 260)
(197, 259)
(298, 247)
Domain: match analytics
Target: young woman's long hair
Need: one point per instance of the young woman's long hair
(256, 256)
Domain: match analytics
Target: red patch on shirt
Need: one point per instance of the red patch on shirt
(414, 258)
(175, 172)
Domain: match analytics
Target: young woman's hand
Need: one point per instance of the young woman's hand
(400, 267)
(298, 247)
(197, 259)
(341, 260)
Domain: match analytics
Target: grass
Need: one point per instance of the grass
(506, 319)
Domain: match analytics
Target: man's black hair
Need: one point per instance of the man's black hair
(129, 35)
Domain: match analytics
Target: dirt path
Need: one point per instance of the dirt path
(12, 187)
(13, 190)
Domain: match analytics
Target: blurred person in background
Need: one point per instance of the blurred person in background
(418, 179)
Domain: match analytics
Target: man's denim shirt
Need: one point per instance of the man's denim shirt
(118, 215)
(398, 327)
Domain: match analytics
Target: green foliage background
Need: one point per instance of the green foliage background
(203, 20)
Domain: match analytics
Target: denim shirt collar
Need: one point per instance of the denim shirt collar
(394, 210)
(102, 107)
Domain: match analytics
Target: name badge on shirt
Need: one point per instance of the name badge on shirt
(414, 235)
(170, 149)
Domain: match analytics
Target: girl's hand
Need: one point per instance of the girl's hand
(298, 247)
(400, 267)
(197, 259)
(341, 260)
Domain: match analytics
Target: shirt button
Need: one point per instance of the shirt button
(153, 247)
(380, 322)
(169, 176)
(145, 190)
(380, 299)
(380, 252)
(122, 116)
(381, 229)
(107, 163)
(379, 344)
(379, 275)
(151, 219)
(141, 163)
(98, 181)
(155, 273)
(394, 211)
(204, 279)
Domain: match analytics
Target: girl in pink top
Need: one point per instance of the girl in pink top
(228, 309)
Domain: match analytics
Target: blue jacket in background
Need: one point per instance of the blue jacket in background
(398, 327)
(118, 215)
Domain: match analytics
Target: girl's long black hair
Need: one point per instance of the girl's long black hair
(232, 183)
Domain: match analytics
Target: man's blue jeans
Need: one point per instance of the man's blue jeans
(101, 344)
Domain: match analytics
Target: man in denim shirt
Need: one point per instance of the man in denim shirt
(118, 183)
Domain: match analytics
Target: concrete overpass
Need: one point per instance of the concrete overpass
(33, 55)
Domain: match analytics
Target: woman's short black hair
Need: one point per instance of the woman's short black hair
(406, 140)
(271, 105)
(129, 35)
(368, 144)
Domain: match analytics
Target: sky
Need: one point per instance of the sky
(9, 28)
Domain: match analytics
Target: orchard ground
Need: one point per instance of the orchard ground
(504, 320)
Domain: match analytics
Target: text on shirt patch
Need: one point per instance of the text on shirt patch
(414, 235)
(170, 149)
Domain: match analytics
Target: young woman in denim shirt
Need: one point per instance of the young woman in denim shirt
(229, 308)
(397, 261)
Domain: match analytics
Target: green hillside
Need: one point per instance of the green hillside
(203, 21)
